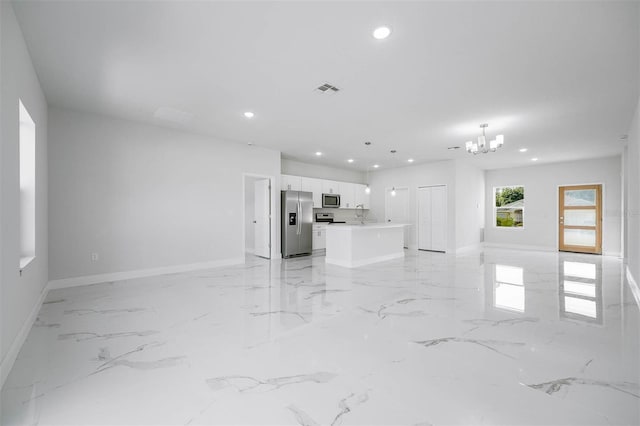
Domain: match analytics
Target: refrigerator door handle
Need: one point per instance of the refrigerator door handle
(299, 229)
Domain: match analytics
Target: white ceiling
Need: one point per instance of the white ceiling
(560, 78)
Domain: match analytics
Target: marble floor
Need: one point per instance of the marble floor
(489, 337)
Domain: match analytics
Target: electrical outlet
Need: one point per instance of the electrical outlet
(94, 257)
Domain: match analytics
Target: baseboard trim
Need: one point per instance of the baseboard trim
(12, 354)
(141, 273)
(612, 253)
(633, 285)
(537, 248)
(465, 249)
(518, 247)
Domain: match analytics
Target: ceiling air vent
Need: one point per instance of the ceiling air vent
(328, 88)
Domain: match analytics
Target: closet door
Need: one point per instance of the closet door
(439, 218)
(424, 218)
(432, 218)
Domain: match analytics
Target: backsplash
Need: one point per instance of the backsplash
(345, 215)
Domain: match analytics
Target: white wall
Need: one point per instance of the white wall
(439, 173)
(632, 191)
(632, 201)
(297, 168)
(541, 201)
(19, 295)
(144, 197)
(469, 201)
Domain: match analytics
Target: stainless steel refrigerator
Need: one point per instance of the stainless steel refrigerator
(297, 219)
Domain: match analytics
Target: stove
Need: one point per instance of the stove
(326, 218)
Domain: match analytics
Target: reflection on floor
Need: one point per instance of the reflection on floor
(489, 337)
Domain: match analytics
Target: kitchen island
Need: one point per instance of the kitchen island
(357, 245)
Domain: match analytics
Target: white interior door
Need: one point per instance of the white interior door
(439, 218)
(262, 223)
(397, 209)
(424, 219)
(432, 218)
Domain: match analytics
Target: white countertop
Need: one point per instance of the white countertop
(381, 225)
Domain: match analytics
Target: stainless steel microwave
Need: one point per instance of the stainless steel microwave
(330, 200)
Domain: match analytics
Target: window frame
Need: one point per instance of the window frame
(495, 208)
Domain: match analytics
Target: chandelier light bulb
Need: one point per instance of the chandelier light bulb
(482, 143)
(367, 190)
(393, 191)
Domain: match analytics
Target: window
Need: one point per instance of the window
(509, 206)
(27, 137)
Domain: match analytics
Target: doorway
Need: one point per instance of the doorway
(257, 216)
(397, 208)
(580, 218)
(432, 218)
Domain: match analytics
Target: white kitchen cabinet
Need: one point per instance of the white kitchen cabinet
(361, 196)
(290, 183)
(330, 187)
(347, 195)
(314, 186)
(351, 194)
(319, 238)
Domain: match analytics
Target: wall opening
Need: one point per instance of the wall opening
(27, 137)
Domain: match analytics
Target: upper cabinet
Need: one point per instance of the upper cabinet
(314, 186)
(351, 194)
(330, 187)
(347, 195)
(290, 183)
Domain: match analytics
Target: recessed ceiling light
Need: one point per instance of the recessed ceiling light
(248, 114)
(318, 153)
(410, 160)
(523, 149)
(375, 166)
(350, 160)
(381, 33)
(534, 159)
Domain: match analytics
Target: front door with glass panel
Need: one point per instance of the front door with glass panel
(580, 218)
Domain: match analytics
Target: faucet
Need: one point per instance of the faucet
(361, 217)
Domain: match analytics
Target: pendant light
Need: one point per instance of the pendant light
(367, 189)
(393, 190)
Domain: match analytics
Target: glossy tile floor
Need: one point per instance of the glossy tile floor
(491, 337)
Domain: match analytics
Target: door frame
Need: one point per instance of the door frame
(273, 212)
(417, 230)
(602, 209)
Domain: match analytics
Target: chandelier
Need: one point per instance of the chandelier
(481, 146)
